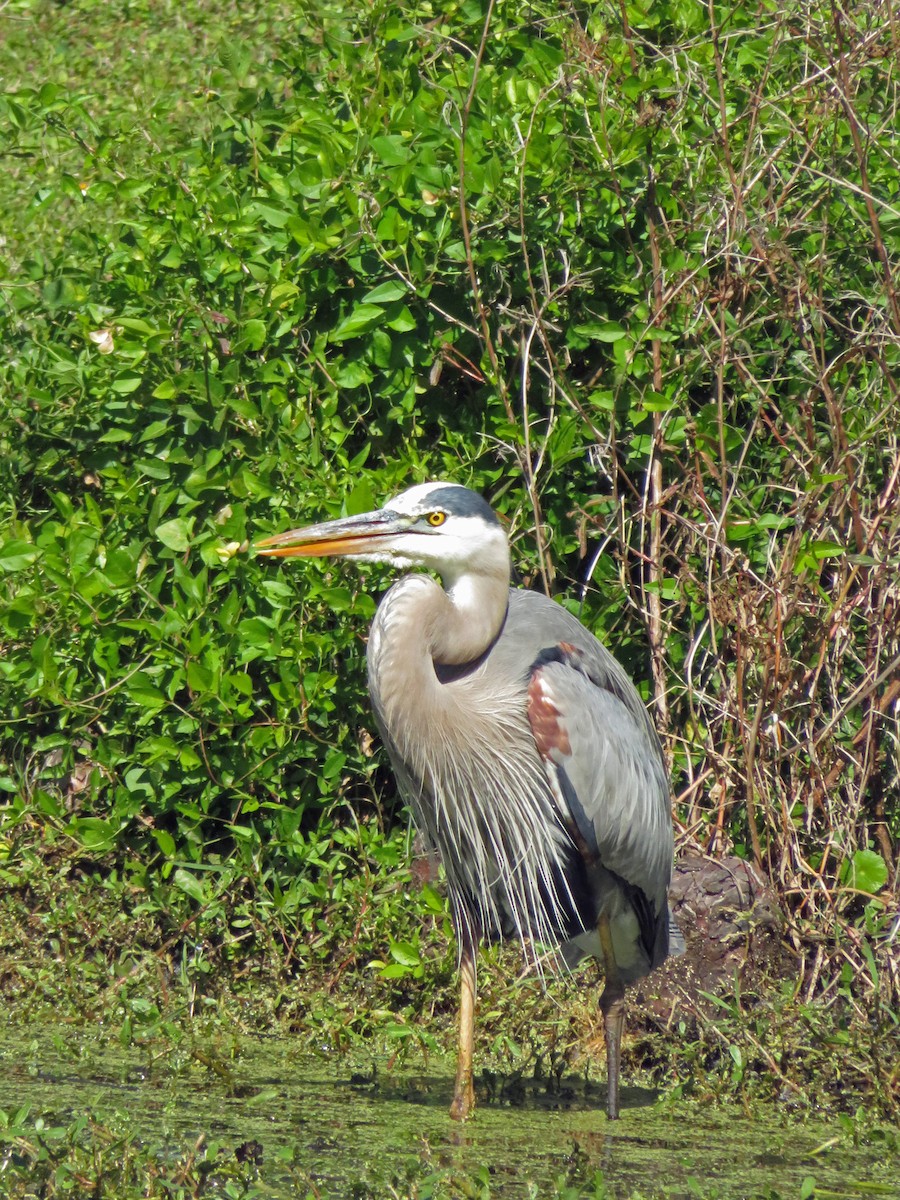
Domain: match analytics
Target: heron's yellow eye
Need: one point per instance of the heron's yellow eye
(436, 518)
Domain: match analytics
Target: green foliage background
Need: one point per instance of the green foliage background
(630, 270)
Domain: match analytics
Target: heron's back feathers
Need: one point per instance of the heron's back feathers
(606, 767)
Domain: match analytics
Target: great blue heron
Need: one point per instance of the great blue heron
(529, 761)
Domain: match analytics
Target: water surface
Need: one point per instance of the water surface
(339, 1121)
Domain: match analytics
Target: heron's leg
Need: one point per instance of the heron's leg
(464, 1093)
(612, 1005)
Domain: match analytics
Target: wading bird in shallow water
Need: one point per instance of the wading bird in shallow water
(527, 757)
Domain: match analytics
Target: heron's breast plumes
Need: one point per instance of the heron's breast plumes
(465, 756)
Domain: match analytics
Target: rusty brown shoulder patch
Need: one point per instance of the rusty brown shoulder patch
(544, 718)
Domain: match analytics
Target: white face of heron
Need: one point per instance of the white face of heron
(454, 532)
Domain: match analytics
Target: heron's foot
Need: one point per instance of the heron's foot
(463, 1103)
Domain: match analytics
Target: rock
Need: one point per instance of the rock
(732, 926)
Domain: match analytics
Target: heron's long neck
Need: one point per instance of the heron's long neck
(420, 628)
(463, 620)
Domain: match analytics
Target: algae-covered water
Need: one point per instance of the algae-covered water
(341, 1129)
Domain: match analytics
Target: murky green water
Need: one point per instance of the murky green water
(336, 1125)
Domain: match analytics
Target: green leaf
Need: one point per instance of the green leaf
(405, 953)
(277, 218)
(165, 841)
(867, 871)
(144, 692)
(362, 318)
(127, 384)
(392, 149)
(254, 334)
(655, 402)
(403, 322)
(434, 901)
(189, 884)
(176, 534)
(94, 833)
(137, 325)
(826, 549)
(386, 292)
(394, 971)
(601, 331)
(16, 556)
(361, 498)
(199, 678)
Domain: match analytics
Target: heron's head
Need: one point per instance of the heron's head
(443, 527)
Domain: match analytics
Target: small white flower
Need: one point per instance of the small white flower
(103, 340)
(227, 551)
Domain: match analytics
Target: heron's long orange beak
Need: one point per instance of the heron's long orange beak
(368, 533)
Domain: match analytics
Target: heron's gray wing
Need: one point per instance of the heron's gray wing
(607, 770)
